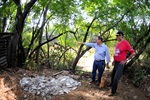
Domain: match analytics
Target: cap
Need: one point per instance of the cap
(120, 33)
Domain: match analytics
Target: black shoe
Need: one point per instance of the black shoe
(112, 94)
(92, 81)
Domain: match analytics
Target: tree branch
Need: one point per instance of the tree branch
(115, 24)
(46, 42)
(142, 38)
(28, 7)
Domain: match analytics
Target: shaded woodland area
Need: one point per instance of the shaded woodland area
(35, 34)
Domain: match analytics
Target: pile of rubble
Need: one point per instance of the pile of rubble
(42, 85)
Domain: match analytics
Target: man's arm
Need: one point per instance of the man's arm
(107, 57)
(88, 44)
(131, 55)
(81, 42)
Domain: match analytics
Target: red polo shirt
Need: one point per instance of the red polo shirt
(121, 50)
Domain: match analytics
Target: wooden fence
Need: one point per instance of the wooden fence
(5, 39)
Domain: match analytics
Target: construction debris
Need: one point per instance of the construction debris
(41, 85)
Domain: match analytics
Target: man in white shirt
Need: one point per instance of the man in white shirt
(101, 54)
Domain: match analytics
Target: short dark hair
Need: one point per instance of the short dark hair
(120, 33)
(100, 38)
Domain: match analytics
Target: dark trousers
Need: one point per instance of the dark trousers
(100, 66)
(115, 76)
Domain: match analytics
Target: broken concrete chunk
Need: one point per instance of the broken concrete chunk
(41, 85)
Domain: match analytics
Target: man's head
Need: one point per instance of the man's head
(99, 40)
(119, 35)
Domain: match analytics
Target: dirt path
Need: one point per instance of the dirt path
(10, 88)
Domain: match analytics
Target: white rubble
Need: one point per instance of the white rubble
(41, 85)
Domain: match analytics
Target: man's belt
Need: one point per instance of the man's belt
(99, 60)
(117, 61)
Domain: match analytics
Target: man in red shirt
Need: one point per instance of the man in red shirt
(122, 47)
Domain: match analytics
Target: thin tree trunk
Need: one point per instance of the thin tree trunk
(41, 34)
(18, 50)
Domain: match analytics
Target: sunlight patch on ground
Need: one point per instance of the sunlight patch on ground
(94, 96)
(86, 62)
(6, 92)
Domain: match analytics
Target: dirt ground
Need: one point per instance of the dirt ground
(10, 88)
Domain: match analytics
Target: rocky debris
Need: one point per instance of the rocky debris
(42, 85)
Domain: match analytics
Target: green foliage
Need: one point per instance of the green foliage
(63, 9)
(146, 54)
(138, 75)
(8, 13)
(60, 66)
(140, 69)
(26, 39)
(43, 3)
(6, 10)
(32, 66)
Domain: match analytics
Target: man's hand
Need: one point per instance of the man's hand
(107, 66)
(80, 42)
(123, 62)
(113, 63)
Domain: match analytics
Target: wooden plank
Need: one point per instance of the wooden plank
(4, 46)
(3, 39)
(3, 61)
(4, 64)
(1, 58)
(3, 43)
(1, 55)
(4, 53)
(3, 49)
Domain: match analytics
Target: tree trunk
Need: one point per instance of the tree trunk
(41, 33)
(78, 57)
(18, 49)
(141, 50)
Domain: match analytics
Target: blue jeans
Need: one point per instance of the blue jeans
(100, 66)
(115, 76)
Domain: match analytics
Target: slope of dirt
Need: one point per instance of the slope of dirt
(10, 88)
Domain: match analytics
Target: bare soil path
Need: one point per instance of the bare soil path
(10, 88)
